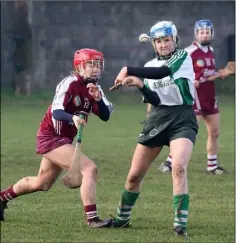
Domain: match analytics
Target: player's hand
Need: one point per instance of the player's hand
(132, 81)
(222, 73)
(94, 91)
(120, 77)
(196, 84)
(77, 121)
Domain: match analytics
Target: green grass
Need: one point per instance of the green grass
(57, 215)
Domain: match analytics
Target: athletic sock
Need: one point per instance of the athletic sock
(169, 158)
(181, 204)
(127, 201)
(211, 162)
(91, 212)
(7, 194)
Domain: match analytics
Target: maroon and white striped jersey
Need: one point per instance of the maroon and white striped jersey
(71, 96)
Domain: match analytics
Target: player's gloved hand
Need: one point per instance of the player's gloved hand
(77, 121)
(120, 77)
(132, 81)
(196, 84)
(94, 91)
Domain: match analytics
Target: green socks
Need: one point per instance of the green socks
(127, 201)
(181, 203)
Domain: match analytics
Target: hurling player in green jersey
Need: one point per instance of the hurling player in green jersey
(169, 87)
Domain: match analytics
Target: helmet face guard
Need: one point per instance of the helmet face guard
(162, 30)
(204, 32)
(89, 63)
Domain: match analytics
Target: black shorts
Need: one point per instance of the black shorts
(167, 123)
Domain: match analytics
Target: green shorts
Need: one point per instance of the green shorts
(167, 123)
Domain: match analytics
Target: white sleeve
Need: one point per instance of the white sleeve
(61, 96)
(105, 100)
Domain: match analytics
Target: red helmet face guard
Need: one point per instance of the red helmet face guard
(89, 63)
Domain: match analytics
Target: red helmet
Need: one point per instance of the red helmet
(85, 55)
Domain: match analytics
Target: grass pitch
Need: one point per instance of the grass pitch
(57, 215)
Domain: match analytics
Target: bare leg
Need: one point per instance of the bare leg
(181, 150)
(149, 106)
(142, 159)
(213, 127)
(64, 157)
(89, 176)
(88, 183)
(167, 165)
(47, 175)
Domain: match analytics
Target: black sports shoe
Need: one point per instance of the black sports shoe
(98, 223)
(165, 167)
(3, 206)
(181, 232)
(126, 224)
(218, 171)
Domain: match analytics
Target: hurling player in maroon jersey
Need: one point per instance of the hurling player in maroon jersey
(205, 105)
(75, 93)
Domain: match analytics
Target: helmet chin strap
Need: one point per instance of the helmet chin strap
(91, 80)
(205, 43)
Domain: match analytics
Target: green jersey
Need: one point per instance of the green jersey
(178, 88)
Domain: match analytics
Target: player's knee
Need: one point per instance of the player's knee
(214, 133)
(36, 184)
(178, 170)
(94, 171)
(43, 186)
(133, 180)
(90, 170)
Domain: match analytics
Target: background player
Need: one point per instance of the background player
(172, 122)
(205, 106)
(75, 93)
(149, 106)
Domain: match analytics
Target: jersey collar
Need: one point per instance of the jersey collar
(203, 48)
(160, 58)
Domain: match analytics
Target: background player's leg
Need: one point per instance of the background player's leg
(213, 128)
(199, 118)
(142, 159)
(149, 106)
(181, 150)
